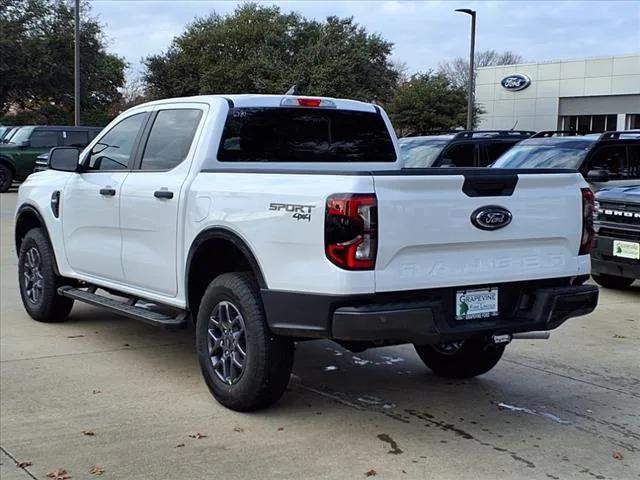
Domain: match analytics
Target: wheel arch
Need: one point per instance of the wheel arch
(9, 163)
(27, 218)
(232, 253)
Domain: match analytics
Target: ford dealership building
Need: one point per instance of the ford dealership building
(592, 95)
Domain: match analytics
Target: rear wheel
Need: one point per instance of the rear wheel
(6, 177)
(245, 366)
(464, 359)
(38, 280)
(611, 281)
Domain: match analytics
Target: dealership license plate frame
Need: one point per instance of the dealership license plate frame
(481, 303)
(625, 249)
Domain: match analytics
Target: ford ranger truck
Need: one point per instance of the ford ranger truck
(267, 219)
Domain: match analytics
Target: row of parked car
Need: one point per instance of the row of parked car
(606, 157)
(21, 147)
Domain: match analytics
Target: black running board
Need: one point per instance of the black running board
(126, 308)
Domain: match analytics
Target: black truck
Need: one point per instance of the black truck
(615, 258)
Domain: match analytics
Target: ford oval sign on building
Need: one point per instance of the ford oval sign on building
(515, 82)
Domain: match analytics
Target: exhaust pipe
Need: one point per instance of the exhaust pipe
(532, 335)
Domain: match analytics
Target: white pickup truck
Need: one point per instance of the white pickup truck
(266, 220)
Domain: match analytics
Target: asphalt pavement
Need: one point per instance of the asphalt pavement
(109, 395)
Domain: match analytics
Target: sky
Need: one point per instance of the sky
(423, 33)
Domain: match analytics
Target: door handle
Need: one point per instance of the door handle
(163, 194)
(109, 192)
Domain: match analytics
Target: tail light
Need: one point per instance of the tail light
(588, 209)
(351, 231)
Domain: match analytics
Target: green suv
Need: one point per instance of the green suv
(18, 157)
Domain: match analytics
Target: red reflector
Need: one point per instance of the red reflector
(309, 102)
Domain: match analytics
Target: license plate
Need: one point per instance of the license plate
(471, 304)
(626, 249)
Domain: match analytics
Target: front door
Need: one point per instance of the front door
(621, 162)
(152, 196)
(90, 207)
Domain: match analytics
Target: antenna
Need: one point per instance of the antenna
(514, 125)
(293, 90)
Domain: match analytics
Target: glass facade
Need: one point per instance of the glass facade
(588, 123)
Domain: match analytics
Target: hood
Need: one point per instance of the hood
(624, 194)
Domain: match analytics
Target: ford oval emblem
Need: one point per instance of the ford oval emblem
(515, 82)
(491, 217)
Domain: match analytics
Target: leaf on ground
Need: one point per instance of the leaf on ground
(280, 429)
(88, 433)
(75, 336)
(617, 456)
(96, 470)
(97, 391)
(371, 473)
(180, 445)
(24, 464)
(198, 436)
(238, 429)
(59, 474)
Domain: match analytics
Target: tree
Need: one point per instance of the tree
(259, 49)
(457, 70)
(36, 64)
(428, 102)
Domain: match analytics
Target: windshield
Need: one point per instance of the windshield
(420, 152)
(542, 156)
(21, 135)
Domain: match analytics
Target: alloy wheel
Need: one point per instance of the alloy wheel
(33, 280)
(227, 343)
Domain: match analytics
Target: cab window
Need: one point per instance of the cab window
(44, 139)
(113, 151)
(170, 138)
(612, 159)
(460, 155)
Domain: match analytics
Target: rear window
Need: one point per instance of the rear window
(304, 135)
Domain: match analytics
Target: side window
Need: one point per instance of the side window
(114, 149)
(495, 150)
(612, 159)
(633, 169)
(170, 138)
(75, 138)
(44, 139)
(461, 155)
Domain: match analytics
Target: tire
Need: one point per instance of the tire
(38, 280)
(6, 177)
(268, 359)
(611, 281)
(468, 359)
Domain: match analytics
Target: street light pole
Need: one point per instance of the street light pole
(471, 66)
(76, 65)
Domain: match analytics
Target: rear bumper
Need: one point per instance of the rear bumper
(524, 307)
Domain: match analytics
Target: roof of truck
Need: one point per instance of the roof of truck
(260, 100)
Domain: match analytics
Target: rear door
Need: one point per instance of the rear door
(427, 238)
(153, 194)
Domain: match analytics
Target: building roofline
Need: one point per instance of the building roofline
(563, 60)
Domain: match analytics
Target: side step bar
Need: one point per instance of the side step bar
(127, 308)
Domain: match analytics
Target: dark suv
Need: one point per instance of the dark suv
(608, 158)
(615, 258)
(476, 148)
(18, 156)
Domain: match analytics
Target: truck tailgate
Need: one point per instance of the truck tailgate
(427, 239)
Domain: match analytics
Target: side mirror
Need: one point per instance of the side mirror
(25, 144)
(447, 163)
(597, 176)
(64, 159)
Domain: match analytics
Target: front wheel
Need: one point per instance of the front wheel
(6, 177)
(245, 366)
(38, 280)
(464, 359)
(611, 281)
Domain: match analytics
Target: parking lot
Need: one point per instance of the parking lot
(108, 392)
